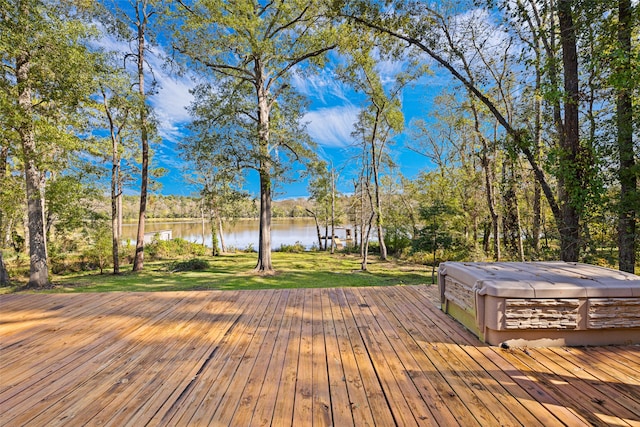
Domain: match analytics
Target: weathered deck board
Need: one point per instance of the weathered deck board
(464, 372)
(365, 356)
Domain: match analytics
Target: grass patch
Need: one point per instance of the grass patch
(235, 272)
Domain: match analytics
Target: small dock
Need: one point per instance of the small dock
(383, 356)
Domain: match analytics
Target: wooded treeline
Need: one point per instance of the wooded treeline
(532, 149)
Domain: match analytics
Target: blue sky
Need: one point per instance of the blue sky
(330, 119)
(333, 110)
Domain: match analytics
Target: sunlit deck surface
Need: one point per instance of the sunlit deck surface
(359, 356)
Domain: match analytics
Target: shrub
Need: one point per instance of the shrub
(163, 249)
(194, 264)
(297, 247)
(397, 242)
(98, 254)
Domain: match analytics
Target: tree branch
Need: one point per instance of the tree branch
(287, 25)
(517, 135)
(220, 68)
(294, 61)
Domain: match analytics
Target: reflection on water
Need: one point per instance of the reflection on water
(241, 234)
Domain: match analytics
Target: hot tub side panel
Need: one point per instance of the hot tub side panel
(516, 316)
(458, 300)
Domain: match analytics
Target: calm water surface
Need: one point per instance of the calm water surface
(241, 234)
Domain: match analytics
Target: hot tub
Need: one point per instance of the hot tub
(542, 303)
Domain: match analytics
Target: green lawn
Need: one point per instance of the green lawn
(235, 272)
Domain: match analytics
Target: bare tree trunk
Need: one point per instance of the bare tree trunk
(315, 218)
(537, 192)
(519, 228)
(4, 154)
(365, 242)
(369, 225)
(114, 215)
(39, 271)
(202, 220)
(570, 235)
(628, 178)
(264, 241)
(356, 214)
(376, 180)
(116, 195)
(489, 179)
(333, 212)
(4, 274)
(138, 260)
(214, 235)
(362, 219)
(264, 111)
(326, 233)
(223, 246)
(119, 198)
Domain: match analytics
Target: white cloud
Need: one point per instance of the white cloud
(321, 86)
(173, 94)
(171, 101)
(389, 69)
(332, 127)
(170, 105)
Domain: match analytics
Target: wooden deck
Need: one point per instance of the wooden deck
(358, 356)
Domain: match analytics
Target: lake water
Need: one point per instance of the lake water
(241, 234)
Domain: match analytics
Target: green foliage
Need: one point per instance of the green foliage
(255, 79)
(195, 264)
(168, 249)
(397, 240)
(11, 190)
(68, 202)
(61, 72)
(98, 254)
(247, 114)
(438, 233)
(297, 247)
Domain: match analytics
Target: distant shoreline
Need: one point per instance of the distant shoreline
(161, 220)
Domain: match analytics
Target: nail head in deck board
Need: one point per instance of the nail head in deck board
(376, 356)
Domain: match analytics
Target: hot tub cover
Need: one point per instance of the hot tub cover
(552, 279)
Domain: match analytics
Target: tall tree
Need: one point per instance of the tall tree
(381, 118)
(253, 48)
(570, 179)
(623, 83)
(574, 165)
(143, 11)
(47, 74)
(132, 24)
(221, 185)
(466, 157)
(117, 106)
(320, 192)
